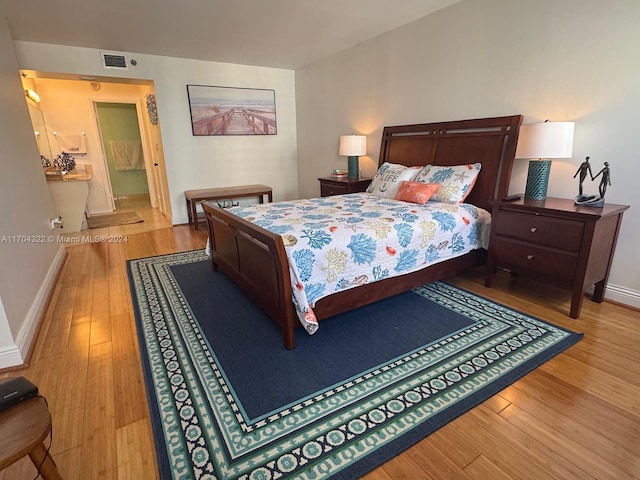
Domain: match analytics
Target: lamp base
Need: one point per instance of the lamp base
(537, 179)
(353, 170)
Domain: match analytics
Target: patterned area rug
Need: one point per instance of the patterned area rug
(113, 219)
(228, 401)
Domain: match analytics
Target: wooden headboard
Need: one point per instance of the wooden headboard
(490, 141)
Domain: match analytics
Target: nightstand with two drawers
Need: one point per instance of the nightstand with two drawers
(338, 186)
(557, 242)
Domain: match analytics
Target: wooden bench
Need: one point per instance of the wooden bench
(193, 197)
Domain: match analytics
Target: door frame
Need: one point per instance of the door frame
(150, 170)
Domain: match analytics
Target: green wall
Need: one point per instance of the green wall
(119, 121)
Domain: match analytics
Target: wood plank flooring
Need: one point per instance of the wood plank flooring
(575, 417)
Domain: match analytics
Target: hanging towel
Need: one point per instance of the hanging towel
(74, 144)
(127, 155)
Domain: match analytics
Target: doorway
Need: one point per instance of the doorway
(69, 108)
(124, 154)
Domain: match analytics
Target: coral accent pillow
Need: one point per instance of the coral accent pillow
(389, 177)
(416, 192)
(456, 181)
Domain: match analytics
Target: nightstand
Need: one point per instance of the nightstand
(337, 185)
(557, 242)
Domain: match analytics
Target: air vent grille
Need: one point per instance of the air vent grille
(114, 60)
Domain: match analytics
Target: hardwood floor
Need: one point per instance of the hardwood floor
(575, 417)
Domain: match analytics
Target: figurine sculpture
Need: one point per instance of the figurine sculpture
(592, 200)
(584, 168)
(605, 181)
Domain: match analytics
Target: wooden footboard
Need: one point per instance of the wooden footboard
(254, 259)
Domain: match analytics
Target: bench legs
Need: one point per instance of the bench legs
(269, 195)
(189, 215)
(192, 213)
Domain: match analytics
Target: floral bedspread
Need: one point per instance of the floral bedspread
(340, 242)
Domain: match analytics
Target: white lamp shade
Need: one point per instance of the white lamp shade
(546, 140)
(353, 145)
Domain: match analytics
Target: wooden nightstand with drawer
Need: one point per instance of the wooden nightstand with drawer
(557, 242)
(337, 185)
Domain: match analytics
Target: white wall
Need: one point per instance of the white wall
(27, 254)
(562, 60)
(196, 162)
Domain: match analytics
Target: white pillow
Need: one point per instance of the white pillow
(389, 177)
(456, 181)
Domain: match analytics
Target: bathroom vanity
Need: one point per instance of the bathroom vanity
(69, 193)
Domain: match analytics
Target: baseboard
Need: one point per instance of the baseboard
(17, 354)
(10, 357)
(623, 295)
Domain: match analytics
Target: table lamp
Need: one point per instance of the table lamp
(541, 142)
(352, 146)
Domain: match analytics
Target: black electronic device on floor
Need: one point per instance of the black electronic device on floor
(16, 390)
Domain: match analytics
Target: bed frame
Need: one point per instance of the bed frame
(255, 258)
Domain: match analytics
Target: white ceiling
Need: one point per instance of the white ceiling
(273, 33)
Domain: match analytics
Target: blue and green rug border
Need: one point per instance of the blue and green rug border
(390, 448)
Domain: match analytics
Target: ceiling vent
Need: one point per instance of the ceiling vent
(114, 60)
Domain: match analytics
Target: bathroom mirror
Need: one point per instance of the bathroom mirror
(39, 130)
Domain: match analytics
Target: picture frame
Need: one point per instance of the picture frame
(231, 110)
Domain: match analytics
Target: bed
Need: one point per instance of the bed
(255, 258)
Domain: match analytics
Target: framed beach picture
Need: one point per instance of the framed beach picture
(232, 111)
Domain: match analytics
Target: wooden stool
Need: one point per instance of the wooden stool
(194, 196)
(23, 429)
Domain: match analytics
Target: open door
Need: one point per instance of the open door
(157, 166)
(123, 150)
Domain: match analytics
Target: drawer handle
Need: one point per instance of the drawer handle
(534, 229)
(529, 257)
